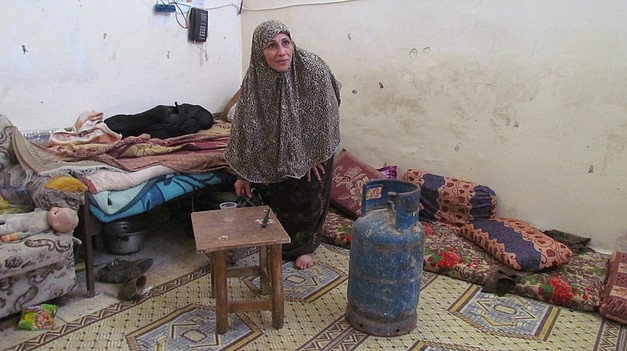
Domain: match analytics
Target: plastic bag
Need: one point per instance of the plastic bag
(38, 317)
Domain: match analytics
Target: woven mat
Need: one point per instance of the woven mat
(452, 315)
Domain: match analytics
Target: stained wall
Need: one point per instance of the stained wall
(61, 58)
(526, 97)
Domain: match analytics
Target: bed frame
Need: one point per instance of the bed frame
(89, 227)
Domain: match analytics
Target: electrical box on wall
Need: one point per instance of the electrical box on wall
(198, 24)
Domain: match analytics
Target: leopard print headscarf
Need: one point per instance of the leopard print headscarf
(285, 122)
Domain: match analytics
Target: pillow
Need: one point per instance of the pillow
(517, 243)
(451, 201)
(614, 302)
(348, 179)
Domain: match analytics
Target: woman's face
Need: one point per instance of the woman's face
(278, 52)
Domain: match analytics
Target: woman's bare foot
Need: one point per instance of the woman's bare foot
(304, 262)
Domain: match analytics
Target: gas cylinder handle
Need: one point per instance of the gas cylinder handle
(400, 196)
(407, 206)
(392, 195)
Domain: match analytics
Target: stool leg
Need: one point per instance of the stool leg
(213, 277)
(264, 265)
(277, 286)
(218, 271)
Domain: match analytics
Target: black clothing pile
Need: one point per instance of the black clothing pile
(163, 121)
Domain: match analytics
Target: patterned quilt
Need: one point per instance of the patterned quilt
(578, 284)
(152, 194)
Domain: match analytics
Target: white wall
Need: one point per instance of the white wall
(59, 58)
(526, 97)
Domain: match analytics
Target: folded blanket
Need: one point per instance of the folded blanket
(195, 153)
(89, 128)
(111, 202)
(33, 160)
(165, 190)
(108, 180)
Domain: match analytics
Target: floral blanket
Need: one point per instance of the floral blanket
(578, 284)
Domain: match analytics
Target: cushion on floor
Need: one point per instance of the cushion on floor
(452, 201)
(517, 243)
(349, 176)
(614, 302)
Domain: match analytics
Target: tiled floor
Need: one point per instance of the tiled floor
(170, 244)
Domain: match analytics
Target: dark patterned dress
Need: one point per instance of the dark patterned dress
(301, 206)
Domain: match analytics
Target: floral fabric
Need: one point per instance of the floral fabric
(577, 284)
(450, 200)
(349, 176)
(337, 229)
(450, 254)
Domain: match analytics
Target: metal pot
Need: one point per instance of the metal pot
(124, 237)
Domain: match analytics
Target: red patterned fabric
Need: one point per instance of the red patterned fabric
(614, 302)
(349, 176)
(517, 243)
(578, 284)
(337, 229)
(451, 201)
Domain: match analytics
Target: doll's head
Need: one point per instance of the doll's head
(62, 219)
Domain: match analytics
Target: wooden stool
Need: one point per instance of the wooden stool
(218, 231)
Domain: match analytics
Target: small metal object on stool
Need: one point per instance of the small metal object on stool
(215, 237)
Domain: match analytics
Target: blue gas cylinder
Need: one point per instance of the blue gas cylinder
(386, 258)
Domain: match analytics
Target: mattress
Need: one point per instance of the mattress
(113, 205)
(577, 284)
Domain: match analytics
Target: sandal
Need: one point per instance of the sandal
(133, 287)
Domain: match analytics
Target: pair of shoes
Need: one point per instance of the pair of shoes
(119, 271)
(133, 287)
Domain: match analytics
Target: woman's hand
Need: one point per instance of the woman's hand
(242, 188)
(317, 171)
